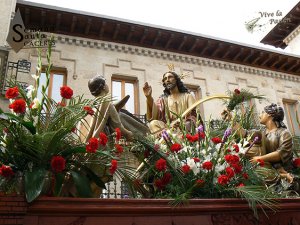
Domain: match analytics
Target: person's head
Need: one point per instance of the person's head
(274, 113)
(97, 86)
(171, 80)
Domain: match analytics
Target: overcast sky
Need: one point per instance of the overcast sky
(216, 18)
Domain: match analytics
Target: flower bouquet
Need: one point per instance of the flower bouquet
(40, 147)
(200, 163)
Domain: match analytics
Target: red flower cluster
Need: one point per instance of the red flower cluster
(175, 147)
(113, 166)
(194, 138)
(118, 133)
(89, 110)
(236, 148)
(92, 145)
(6, 171)
(207, 165)
(196, 159)
(18, 106)
(230, 172)
(161, 164)
(103, 139)
(237, 91)
(261, 162)
(296, 162)
(12, 93)
(232, 159)
(58, 164)
(186, 169)
(61, 104)
(119, 148)
(223, 179)
(162, 183)
(66, 92)
(216, 140)
(200, 182)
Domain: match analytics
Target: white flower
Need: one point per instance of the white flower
(30, 89)
(219, 168)
(35, 120)
(241, 147)
(36, 103)
(191, 163)
(35, 77)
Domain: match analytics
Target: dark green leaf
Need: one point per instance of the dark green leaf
(34, 183)
(59, 179)
(82, 185)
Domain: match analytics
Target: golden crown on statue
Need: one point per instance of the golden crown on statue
(172, 69)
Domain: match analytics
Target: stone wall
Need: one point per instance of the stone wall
(83, 58)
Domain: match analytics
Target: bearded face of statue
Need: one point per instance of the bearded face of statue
(169, 81)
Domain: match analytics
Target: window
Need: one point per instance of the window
(58, 78)
(122, 87)
(292, 115)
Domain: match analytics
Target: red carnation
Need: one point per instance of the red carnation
(232, 159)
(118, 133)
(223, 179)
(62, 104)
(89, 110)
(12, 92)
(92, 145)
(159, 184)
(6, 171)
(113, 166)
(240, 185)
(103, 138)
(196, 159)
(296, 162)
(246, 176)
(229, 172)
(216, 140)
(237, 167)
(175, 147)
(66, 92)
(166, 178)
(200, 182)
(161, 164)
(58, 164)
(261, 162)
(207, 165)
(236, 148)
(237, 91)
(119, 148)
(186, 169)
(18, 106)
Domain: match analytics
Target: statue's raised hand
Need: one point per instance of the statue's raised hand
(147, 90)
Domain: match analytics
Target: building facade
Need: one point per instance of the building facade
(129, 54)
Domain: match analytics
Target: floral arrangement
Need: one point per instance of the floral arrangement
(40, 147)
(202, 163)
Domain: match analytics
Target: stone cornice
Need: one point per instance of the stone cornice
(111, 46)
(292, 35)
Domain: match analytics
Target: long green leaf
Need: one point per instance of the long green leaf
(82, 185)
(34, 183)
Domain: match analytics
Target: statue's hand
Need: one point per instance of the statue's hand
(147, 90)
(226, 115)
(255, 159)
